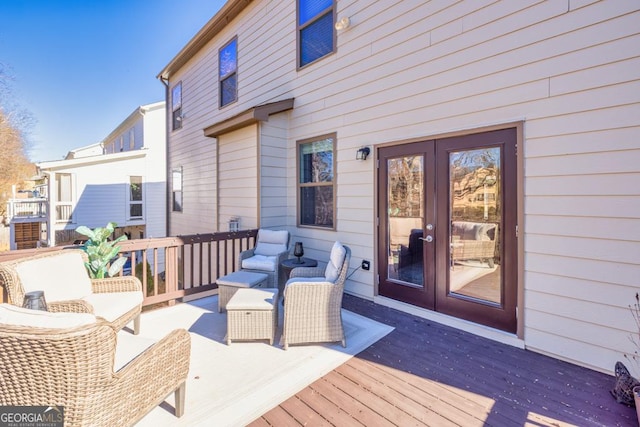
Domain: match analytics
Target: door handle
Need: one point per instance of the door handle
(427, 239)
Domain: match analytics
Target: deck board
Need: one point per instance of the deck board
(425, 373)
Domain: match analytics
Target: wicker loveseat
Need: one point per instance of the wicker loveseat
(473, 241)
(313, 301)
(75, 361)
(67, 287)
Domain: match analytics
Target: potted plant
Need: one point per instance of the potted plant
(102, 253)
(635, 339)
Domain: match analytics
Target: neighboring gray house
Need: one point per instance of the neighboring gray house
(500, 191)
(121, 179)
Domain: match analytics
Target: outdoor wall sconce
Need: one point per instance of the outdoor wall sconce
(343, 23)
(362, 153)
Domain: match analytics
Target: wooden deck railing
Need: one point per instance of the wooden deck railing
(171, 268)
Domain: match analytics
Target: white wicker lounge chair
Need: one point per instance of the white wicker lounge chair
(272, 247)
(313, 301)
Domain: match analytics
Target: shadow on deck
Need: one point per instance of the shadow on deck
(425, 373)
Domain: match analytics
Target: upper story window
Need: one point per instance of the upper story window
(228, 72)
(176, 106)
(316, 35)
(316, 182)
(132, 139)
(135, 197)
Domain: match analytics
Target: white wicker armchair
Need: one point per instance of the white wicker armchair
(313, 301)
(272, 247)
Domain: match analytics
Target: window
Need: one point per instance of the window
(132, 139)
(135, 197)
(176, 190)
(121, 143)
(228, 72)
(316, 36)
(64, 193)
(316, 183)
(176, 106)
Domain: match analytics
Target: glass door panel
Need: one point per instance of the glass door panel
(405, 202)
(475, 220)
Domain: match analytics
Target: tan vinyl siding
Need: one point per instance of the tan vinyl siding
(238, 178)
(567, 69)
(273, 171)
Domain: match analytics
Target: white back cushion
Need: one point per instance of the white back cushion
(336, 258)
(271, 242)
(12, 315)
(62, 277)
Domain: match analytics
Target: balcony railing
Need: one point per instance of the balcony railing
(172, 268)
(27, 208)
(64, 212)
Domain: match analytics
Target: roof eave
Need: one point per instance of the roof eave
(250, 116)
(228, 12)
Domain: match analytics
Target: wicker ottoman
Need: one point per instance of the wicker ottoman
(252, 314)
(229, 284)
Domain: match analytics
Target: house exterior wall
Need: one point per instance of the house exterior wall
(568, 70)
(238, 178)
(153, 140)
(101, 182)
(101, 192)
(273, 183)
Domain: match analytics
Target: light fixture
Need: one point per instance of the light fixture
(362, 153)
(343, 23)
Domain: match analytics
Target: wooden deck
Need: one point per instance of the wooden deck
(424, 373)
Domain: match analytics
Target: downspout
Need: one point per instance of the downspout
(165, 82)
(51, 233)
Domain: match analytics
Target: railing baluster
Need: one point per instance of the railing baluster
(179, 261)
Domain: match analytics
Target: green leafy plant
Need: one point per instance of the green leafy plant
(101, 251)
(635, 336)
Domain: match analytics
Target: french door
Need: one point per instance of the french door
(447, 224)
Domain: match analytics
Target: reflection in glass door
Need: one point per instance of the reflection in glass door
(447, 221)
(406, 223)
(475, 221)
(405, 203)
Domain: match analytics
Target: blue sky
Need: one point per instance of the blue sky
(80, 67)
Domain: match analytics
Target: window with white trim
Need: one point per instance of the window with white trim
(135, 197)
(176, 189)
(64, 195)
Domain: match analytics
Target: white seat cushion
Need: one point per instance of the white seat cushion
(112, 305)
(306, 279)
(62, 277)
(12, 315)
(242, 279)
(128, 348)
(336, 259)
(260, 262)
(253, 299)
